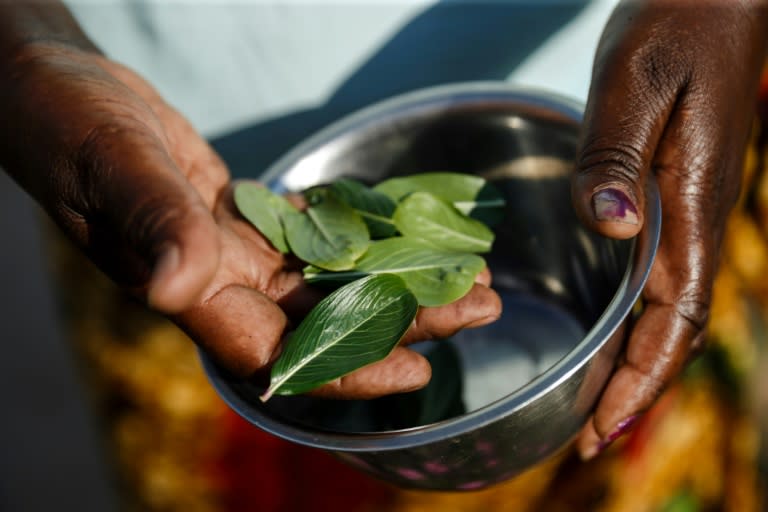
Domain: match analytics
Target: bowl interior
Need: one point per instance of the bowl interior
(555, 278)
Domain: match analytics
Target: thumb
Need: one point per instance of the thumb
(146, 226)
(625, 117)
(187, 256)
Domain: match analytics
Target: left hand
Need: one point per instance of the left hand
(129, 180)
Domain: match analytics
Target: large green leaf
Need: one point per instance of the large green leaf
(424, 216)
(264, 209)
(435, 276)
(328, 234)
(356, 325)
(375, 207)
(472, 195)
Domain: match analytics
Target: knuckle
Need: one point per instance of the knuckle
(419, 329)
(91, 159)
(604, 156)
(651, 382)
(694, 311)
(698, 345)
(95, 162)
(102, 139)
(149, 215)
(659, 72)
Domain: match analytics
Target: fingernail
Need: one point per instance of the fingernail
(485, 320)
(621, 428)
(166, 265)
(613, 205)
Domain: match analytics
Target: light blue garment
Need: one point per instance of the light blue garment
(273, 72)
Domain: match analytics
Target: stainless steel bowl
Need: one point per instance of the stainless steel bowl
(510, 394)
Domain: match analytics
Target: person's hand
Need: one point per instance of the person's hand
(672, 96)
(131, 182)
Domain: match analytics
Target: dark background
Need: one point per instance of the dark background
(50, 449)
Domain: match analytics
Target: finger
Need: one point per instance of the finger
(239, 327)
(276, 275)
(651, 365)
(479, 307)
(402, 371)
(630, 101)
(405, 370)
(144, 223)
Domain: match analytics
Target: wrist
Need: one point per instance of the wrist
(26, 25)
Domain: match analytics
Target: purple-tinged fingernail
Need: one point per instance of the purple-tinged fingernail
(621, 428)
(602, 445)
(613, 205)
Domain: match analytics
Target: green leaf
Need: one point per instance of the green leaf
(375, 207)
(435, 276)
(422, 215)
(329, 234)
(356, 325)
(265, 210)
(470, 194)
(684, 501)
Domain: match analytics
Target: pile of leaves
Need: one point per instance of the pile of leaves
(407, 242)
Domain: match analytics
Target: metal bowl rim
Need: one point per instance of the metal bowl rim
(628, 291)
